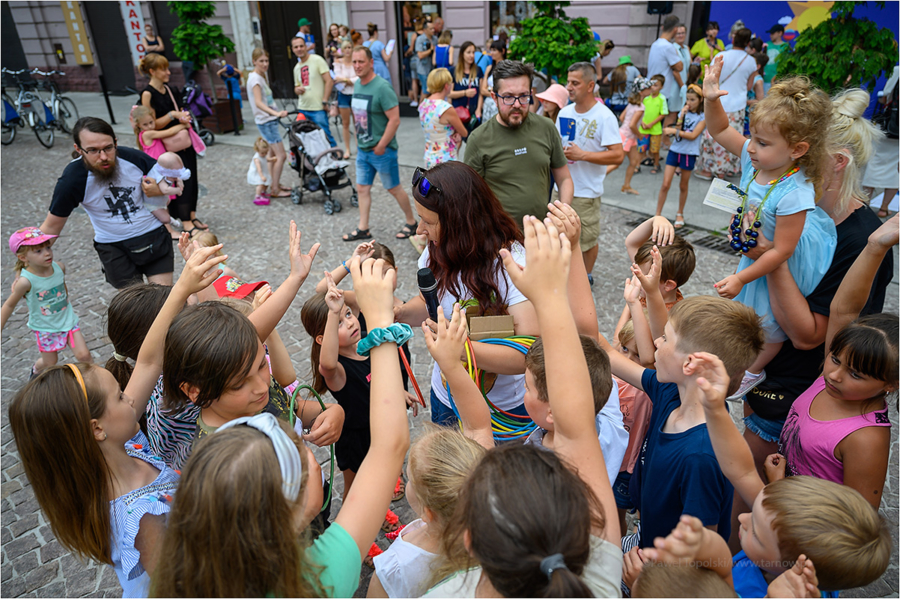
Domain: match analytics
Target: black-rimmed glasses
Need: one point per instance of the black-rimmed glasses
(94, 151)
(420, 182)
(522, 100)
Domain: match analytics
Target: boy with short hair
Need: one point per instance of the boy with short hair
(677, 472)
(656, 108)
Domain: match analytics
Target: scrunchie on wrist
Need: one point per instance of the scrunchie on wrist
(398, 333)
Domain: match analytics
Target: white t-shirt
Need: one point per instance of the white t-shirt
(737, 66)
(592, 131)
(602, 574)
(259, 116)
(404, 570)
(509, 390)
(663, 56)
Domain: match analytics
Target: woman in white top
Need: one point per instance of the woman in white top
(344, 78)
(266, 115)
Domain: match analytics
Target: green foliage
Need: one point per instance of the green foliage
(551, 41)
(195, 40)
(841, 47)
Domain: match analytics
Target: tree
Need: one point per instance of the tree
(551, 41)
(195, 40)
(842, 51)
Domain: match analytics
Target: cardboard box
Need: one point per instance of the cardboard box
(491, 327)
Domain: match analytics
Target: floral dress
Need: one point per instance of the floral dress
(439, 143)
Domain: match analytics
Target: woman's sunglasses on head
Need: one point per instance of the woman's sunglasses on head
(423, 185)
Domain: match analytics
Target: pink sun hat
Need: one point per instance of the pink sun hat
(28, 236)
(556, 93)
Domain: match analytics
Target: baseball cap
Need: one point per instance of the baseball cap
(776, 27)
(625, 59)
(28, 236)
(234, 287)
(304, 22)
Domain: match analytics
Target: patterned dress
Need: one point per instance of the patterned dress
(439, 145)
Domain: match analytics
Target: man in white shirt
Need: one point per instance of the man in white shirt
(665, 60)
(591, 142)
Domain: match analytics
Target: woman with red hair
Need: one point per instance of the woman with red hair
(465, 227)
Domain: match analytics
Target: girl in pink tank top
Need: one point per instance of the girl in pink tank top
(838, 430)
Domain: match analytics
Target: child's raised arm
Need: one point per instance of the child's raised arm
(657, 229)
(799, 581)
(690, 543)
(716, 119)
(266, 318)
(656, 305)
(544, 281)
(581, 300)
(362, 513)
(643, 338)
(732, 452)
(329, 365)
(20, 287)
(445, 347)
(363, 250)
(198, 273)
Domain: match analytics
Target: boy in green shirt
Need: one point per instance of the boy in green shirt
(655, 110)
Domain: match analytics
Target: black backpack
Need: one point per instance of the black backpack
(887, 118)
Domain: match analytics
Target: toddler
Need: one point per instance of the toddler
(655, 110)
(258, 173)
(43, 285)
(683, 151)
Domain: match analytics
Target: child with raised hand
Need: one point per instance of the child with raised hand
(42, 282)
(783, 165)
(228, 283)
(564, 541)
(684, 150)
(832, 525)
(839, 429)
(365, 250)
(105, 495)
(255, 472)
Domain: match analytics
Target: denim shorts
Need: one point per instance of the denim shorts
(270, 131)
(621, 492)
(423, 79)
(767, 430)
(344, 100)
(683, 161)
(367, 164)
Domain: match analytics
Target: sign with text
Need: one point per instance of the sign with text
(134, 28)
(77, 33)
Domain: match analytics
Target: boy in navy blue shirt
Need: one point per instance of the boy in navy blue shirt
(677, 472)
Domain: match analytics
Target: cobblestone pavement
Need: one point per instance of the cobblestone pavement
(33, 563)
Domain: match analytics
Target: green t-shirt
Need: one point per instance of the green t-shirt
(516, 163)
(771, 68)
(337, 552)
(369, 104)
(653, 107)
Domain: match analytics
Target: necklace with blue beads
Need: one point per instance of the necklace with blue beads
(752, 232)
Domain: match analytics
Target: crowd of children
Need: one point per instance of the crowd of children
(186, 465)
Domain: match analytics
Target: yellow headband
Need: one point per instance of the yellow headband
(696, 89)
(80, 380)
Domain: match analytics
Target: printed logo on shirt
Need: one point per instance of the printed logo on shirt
(369, 378)
(123, 205)
(521, 151)
(304, 75)
(360, 107)
(54, 300)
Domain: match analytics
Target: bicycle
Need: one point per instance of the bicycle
(10, 122)
(41, 122)
(63, 108)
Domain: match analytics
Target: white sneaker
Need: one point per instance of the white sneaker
(413, 104)
(749, 381)
(175, 222)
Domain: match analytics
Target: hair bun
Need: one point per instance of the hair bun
(851, 103)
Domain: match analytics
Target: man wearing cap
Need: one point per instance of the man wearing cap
(304, 33)
(110, 183)
(775, 47)
(312, 84)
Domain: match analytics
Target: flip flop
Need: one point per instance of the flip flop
(374, 551)
(281, 194)
(199, 224)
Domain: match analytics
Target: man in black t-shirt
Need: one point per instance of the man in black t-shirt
(110, 183)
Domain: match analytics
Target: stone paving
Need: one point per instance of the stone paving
(33, 563)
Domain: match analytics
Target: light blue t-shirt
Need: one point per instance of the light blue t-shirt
(49, 310)
(688, 147)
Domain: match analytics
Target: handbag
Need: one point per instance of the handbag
(182, 139)
(463, 111)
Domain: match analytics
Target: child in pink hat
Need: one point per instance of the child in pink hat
(553, 99)
(42, 283)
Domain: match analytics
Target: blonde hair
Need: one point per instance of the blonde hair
(722, 327)
(683, 580)
(438, 79)
(258, 53)
(626, 333)
(259, 144)
(446, 37)
(137, 114)
(855, 137)
(833, 525)
(346, 44)
(207, 239)
(799, 111)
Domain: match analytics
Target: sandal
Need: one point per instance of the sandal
(281, 194)
(630, 190)
(654, 170)
(679, 220)
(399, 490)
(647, 162)
(883, 213)
(374, 551)
(392, 536)
(357, 234)
(199, 224)
(407, 231)
(391, 522)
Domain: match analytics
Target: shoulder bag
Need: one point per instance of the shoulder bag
(182, 139)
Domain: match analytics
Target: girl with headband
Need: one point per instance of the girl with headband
(103, 492)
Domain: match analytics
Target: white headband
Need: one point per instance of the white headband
(285, 450)
(179, 173)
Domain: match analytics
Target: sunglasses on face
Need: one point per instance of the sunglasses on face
(420, 182)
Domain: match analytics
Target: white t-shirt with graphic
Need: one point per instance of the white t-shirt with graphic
(592, 131)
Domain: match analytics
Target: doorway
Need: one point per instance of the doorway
(406, 14)
(113, 54)
(279, 26)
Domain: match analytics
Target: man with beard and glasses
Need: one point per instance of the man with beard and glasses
(111, 183)
(517, 153)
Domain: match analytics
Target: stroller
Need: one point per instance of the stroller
(200, 105)
(320, 166)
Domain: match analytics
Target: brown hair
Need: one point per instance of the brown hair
(722, 327)
(314, 316)
(460, 70)
(597, 363)
(660, 78)
(20, 264)
(153, 62)
(684, 580)
(446, 37)
(800, 112)
(678, 259)
(207, 346)
(383, 252)
(234, 479)
(50, 419)
(520, 505)
(129, 317)
(833, 525)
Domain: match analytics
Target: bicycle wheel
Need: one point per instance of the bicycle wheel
(66, 113)
(44, 134)
(7, 133)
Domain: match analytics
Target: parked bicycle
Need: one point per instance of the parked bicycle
(11, 120)
(31, 108)
(63, 108)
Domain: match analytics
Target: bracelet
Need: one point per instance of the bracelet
(344, 264)
(398, 333)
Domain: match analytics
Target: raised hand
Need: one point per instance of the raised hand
(447, 344)
(548, 254)
(711, 89)
(888, 234)
(260, 297)
(663, 231)
(364, 250)
(300, 262)
(564, 218)
(712, 379)
(682, 544)
(198, 273)
(799, 581)
(632, 290)
(373, 282)
(185, 246)
(775, 465)
(334, 297)
(649, 281)
(632, 564)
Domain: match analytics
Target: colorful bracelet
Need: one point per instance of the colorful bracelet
(344, 264)
(398, 333)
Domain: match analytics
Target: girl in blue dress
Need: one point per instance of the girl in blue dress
(782, 164)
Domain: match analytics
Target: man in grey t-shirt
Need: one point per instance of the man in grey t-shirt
(665, 60)
(424, 49)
